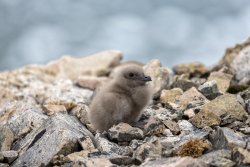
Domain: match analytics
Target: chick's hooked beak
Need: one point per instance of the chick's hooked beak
(146, 78)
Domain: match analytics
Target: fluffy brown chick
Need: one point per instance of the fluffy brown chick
(121, 100)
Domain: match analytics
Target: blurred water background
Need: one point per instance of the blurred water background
(174, 31)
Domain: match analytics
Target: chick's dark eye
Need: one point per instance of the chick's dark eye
(131, 75)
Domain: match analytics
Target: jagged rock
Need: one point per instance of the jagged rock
(237, 58)
(64, 93)
(25, 118)
(81, 111)
(170, 96)
(218, 158)
(6, 138)
(10, 156)
(98, 64)
(153, 126)
(183, 84)
(151, 149)
(248, 106)
(222, 79)
(124, 133)
(105, 146)
(58, 135)
(225, 138)
(241, 156)
(193, 69)
(222, 110)
(192, 98)
(136, 143)
(210, 89)
(172, 126)
(86, 143)
(160, 76)
(174, 162)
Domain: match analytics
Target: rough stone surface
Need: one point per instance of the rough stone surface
(124, 133)
(238, 58)
(59, 134)
(209, 89)
(172, 126)
(4, 165)
(241, 156)
(174, 162)
(160, 76)
(192, 98)
(222, 110)
(218, 158)
(170, 96)
(183, 84)
(194, 69)
(222, 79)
(6, 138)
(10, 156)
(225, 138)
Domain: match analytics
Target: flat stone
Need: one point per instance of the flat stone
(10, 155)
(224, 137)
(220, 111)
(160, 76)
(6, 138)
(192, 98)
(98, 64)
(124, 132)
(174, 162)
(170, 96)
(189, 113)
(59, 134)
(91, 82)
(193, 69)
(241, 156)
(86, 143)
(220, 158)
(90, 162)
(210, 89)
(122, 160)
(185, 126)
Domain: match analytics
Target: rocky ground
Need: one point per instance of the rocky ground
(199, 116)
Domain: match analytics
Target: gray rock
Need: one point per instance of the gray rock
(225, 138)
(193, 69)
(25, 119)
(105, 146)
(222, 79)
(58, 135)
(210, 89)
(124, 133)
(122, 160)
(136, 143)
(160, 76)
(10, 156)
(151, 149)
(172, 126)
(174, 162)
(90, 162)
(6, 138)
(185, 126)
(220, 158)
